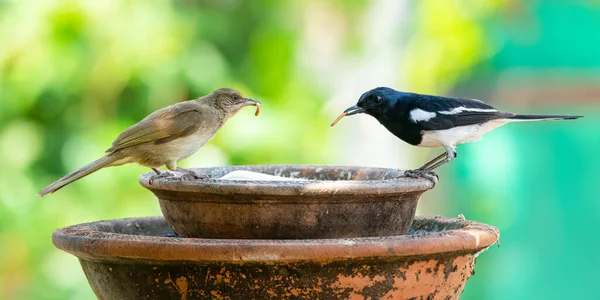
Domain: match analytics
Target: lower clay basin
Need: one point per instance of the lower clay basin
(301, 202)
(141, 258)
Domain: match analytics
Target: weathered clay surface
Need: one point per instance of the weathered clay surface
(142, 259)
(335, 202)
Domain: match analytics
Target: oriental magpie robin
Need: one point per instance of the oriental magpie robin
(434, 121)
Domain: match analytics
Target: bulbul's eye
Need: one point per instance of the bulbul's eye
(235, 98)
(378, 100)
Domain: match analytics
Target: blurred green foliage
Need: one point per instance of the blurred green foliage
(74, 74)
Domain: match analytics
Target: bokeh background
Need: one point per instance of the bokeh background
(74, 74)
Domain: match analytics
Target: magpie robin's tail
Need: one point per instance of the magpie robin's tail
(524, 118)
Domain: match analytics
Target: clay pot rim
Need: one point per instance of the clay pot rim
(289, 188)
(85, 241)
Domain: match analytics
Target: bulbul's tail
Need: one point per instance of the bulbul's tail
(88, 169)
(524, 118)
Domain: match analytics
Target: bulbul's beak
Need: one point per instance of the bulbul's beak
(252, 102)
(348, 112)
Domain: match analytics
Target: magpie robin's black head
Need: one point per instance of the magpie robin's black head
(374, 102)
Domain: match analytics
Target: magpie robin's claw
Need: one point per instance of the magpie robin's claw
(416, 173)
(432, 176)
(423, 173)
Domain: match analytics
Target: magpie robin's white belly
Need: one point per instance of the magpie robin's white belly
(458, 135)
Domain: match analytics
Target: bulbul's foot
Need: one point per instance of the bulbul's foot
(191, 174)
(160, 174)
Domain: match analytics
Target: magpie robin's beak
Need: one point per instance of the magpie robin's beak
(348, 112)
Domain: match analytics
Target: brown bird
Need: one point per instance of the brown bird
(166, 136)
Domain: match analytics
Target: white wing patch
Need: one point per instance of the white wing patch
(419, 115)
(458, 110)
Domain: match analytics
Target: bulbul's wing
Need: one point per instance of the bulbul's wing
(166, 124)
(453, 112)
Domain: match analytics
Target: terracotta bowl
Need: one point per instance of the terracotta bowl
(142, 259)
(335, 202)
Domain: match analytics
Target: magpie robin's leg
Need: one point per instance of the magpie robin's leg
(191, 174)
(431, 162)
(450, 155)
(424, 168)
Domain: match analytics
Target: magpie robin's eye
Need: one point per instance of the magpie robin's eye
(378, 100)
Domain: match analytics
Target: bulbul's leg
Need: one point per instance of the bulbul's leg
(161, 173)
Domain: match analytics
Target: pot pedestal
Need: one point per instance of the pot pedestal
(142, 258)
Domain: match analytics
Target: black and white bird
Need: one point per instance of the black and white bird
(434, 121)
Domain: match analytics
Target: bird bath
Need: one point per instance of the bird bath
(320, 232)
(331, 202)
